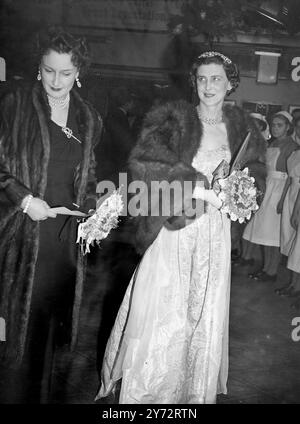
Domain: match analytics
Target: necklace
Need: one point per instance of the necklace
(210, 121)
(58, 103)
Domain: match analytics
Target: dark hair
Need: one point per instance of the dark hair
(207, 58)
(61, 41)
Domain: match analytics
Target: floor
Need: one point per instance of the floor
(264, 360)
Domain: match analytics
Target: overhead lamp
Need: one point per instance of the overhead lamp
(263, 53)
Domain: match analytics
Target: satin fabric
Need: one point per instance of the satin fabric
(169, 343)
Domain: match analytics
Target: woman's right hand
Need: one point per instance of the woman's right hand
(38, 209)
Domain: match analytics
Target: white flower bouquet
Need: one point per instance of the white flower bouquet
(97, 226)
(238, 194)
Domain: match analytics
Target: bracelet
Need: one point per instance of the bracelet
(27, 204)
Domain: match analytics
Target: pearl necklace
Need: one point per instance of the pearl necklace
(210, 121)
(59, 103)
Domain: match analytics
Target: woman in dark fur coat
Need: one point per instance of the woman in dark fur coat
(169, 343)
(48, 133)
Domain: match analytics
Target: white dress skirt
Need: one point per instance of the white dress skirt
(264, 227)
(290, 238)
(169, 344)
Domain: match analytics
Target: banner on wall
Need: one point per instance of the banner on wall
(149, 15)
(134, 33)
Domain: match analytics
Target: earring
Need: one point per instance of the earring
(39, 76)
(78, 82)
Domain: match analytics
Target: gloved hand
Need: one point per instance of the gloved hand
(208, 196)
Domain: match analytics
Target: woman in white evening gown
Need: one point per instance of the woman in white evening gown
(169, 344)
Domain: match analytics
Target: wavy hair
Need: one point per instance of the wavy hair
(217, 58)
(61, 41)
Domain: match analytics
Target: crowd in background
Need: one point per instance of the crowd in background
(272, 236)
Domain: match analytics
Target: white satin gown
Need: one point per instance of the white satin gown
(169, 344)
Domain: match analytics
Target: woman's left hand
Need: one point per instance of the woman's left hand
(212, 198)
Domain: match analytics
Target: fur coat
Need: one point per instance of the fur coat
(169, 140)
(24, 156)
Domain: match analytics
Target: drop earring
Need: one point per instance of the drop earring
(78, 82)
(39, 76)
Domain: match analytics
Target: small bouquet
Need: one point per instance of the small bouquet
(235, 187)
(238, 194)
(97, 226)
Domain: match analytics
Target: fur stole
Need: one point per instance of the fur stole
(169, 140)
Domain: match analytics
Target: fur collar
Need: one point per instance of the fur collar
(173, 132)
(170, 139)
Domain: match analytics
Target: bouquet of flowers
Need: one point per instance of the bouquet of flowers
(97, 226)
(238, 194)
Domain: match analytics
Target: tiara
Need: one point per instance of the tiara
(212, 54)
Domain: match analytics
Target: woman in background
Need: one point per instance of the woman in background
(264, 227)
(289, 237)
(252, 253)
(48, 133)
